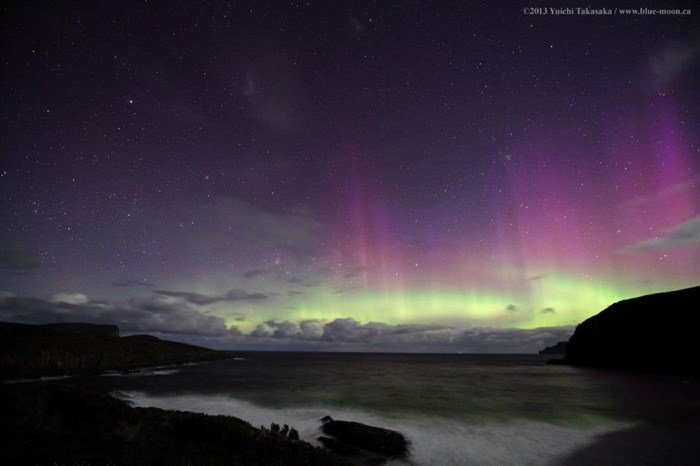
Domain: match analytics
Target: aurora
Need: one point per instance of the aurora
(345, 178)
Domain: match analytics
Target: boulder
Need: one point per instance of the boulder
(352, 438)
(355, 455)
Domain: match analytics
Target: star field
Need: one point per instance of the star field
(360, 175)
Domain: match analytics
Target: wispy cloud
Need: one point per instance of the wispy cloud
(204, 299)
(156, 314)
(17, 260)
(355, 272)
(131, 282)
(671, 61)
(663, 195)
(70, 298)
(686, 233)
(255, 226)
(255, 273)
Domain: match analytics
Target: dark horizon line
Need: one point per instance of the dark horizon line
(407, 353)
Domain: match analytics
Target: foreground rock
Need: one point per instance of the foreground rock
(67, 349)
(60, 424)
(362, 443)
(653, 333)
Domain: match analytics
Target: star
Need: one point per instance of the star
(447, 154)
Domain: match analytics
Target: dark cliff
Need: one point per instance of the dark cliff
(68, 349)
(84, 329)
(559, 348)
(653, 332)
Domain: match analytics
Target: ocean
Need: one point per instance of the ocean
(455, 409)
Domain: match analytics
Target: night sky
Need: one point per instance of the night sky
(414, 176)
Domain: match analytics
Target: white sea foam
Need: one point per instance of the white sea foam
(433, 442)
(141, 373)
(40, 379)
(165, 372)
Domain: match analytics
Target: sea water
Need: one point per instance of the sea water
(454, 409)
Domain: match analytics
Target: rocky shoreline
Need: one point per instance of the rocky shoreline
(49, 420)
(58, 423)
(33, 351)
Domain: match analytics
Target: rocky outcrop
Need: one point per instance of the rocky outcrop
(362, 443)
(559, 348)
(60, 424)
(654, 332)
(28, 351)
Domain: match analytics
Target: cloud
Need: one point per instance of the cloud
(304, 330)
(203, 299)
(176, 316)
(310, 329)
(666, 193)
(255, 273)
(341, 330)
(350, 330)
(385, 336)
(70, 298)
(350, 334)
(284, 329)
(15, 260)
(156, 314)
(260, 331)
(130, 282)
(686, 233)
(340, 290)
(669, 63)
(255, 226)
(511, 340)
(274, 90)
(355, 272)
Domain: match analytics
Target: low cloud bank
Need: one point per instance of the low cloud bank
(180, 316)
(349, 334)
(157, 314)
